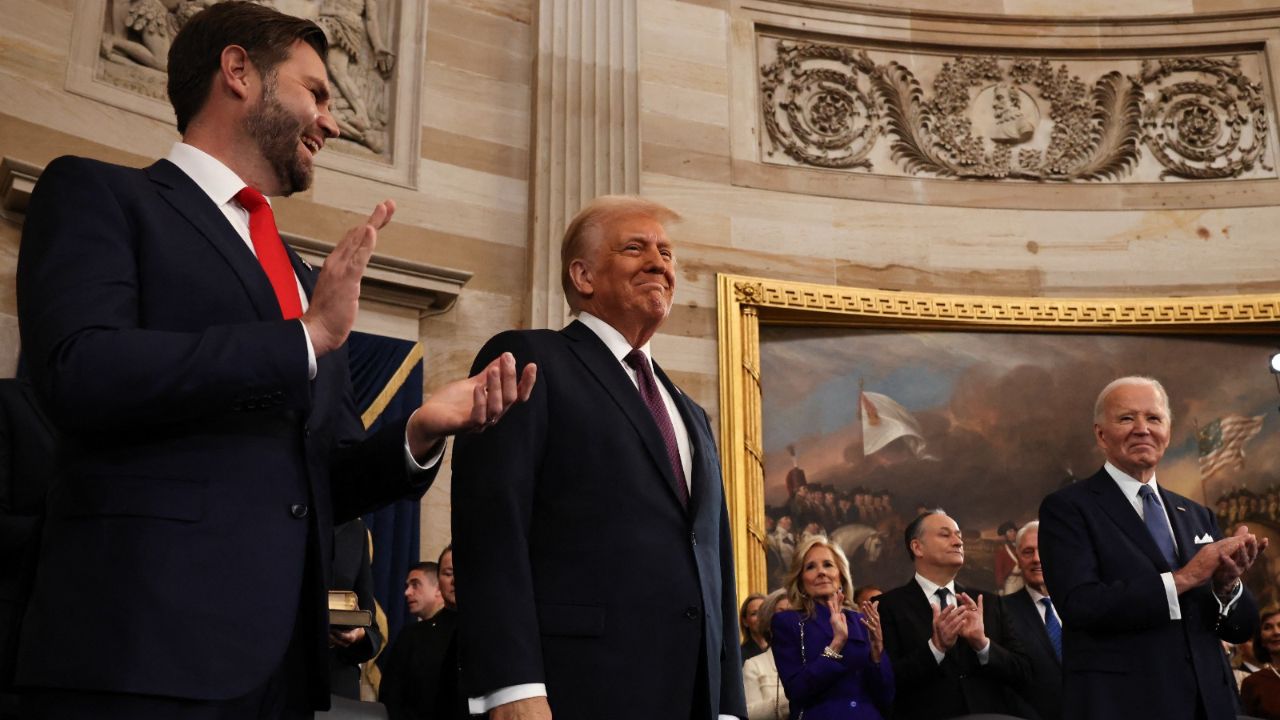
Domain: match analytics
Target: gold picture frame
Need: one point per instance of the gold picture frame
(747, 303)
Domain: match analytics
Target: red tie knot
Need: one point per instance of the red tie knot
(251, 199)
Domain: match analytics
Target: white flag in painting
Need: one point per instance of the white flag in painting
(884, 420)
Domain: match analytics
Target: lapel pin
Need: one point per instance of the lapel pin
(1180, 508)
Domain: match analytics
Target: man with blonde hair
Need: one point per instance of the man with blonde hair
(590, 525)
(1145, 583)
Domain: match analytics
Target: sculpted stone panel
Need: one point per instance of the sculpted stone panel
(120, 51)
(1017, 117)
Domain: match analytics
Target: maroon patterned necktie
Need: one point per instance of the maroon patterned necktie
(658, 409)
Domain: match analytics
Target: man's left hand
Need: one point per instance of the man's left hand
(1232, 566)
(471, 404)
(975, 630)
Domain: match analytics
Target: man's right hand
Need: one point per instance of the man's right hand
(534, 708)
(947, 624)
(332, 310)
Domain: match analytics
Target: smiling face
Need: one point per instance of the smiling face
(820, 578)
(1029, 560)
(1270, 633)
(1133, 429)
(629, 277)
(291, 120)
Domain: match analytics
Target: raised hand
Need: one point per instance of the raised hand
(871, 620)
(471, 404)
(336, 299)
(947, 624)
(839, 625)
(1239, 551)
(974, 630)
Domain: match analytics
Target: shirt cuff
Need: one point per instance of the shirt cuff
(1225, 609)
(311, 353)
(433, 459)
(985, 653)
(502, 696)
(938, 655)
(1171, 596)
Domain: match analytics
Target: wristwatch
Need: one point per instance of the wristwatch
(828, 652)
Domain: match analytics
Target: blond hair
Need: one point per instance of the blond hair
(793, 584)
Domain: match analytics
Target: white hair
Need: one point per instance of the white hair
(1131, 380)
(1033, 526)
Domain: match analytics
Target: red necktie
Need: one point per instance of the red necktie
(271, 253)
(658, 409)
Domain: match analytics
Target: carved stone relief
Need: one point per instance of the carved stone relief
(128, 68)
(1029, 118)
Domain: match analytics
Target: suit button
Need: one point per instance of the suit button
(853, 703)
(298, 510)
(691, 612)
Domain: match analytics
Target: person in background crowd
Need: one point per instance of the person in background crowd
(952, 654)
(420, 676)
(422, 590)
(865, 593)
(1260, 692)
(753, 642)
(830, 658)
(1038, 627)
(765, 699)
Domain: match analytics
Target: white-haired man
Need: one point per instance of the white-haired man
(1144, 582)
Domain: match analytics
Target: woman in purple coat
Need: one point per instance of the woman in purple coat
(830, 658)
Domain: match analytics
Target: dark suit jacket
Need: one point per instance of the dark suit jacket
(200, 472)
(1044, 691)
(1103, 571)
(577, 565)
(27, 446)
(960, 684)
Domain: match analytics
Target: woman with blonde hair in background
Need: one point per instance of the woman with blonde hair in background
(830, 657)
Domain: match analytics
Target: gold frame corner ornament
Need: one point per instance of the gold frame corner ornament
(745, 303)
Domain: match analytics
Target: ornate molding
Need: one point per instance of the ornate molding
(1022, 117)
(119, 56)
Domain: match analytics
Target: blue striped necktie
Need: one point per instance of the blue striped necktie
(1158, 525)
(1052, 626)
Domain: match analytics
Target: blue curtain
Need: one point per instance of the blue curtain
(387, 377)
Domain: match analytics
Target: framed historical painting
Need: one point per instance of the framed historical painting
(846, 411)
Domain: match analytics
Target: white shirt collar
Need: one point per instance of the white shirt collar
(1130, 485)
(1036, 597)
(617, 344)
(217, 180)
(930, 588)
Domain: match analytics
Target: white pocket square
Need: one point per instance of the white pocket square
(1205, 538)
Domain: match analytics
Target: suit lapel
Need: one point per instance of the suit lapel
(1022, 604)
(1177, 508)
(1117, 507)
(606, 369)
(184, 196)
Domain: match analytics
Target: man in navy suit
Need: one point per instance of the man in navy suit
(590, 525)
(1037, 625)
(1145, 584)
(197, 371)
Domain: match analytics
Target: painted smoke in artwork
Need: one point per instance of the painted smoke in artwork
(862, 428)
